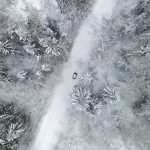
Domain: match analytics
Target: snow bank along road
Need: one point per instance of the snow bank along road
(54, 121)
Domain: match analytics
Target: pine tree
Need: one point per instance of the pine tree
(8, 48)
(3, 72)
(12, 126)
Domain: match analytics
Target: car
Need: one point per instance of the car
(74, 76)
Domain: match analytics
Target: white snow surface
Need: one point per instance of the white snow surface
(55, 120)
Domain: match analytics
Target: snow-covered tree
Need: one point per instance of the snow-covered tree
(46, 68)
(63, 4)
(109, 95)
(50, 47)
(81, 95)
(86, 78)
(12, 125)
(76, 10)
(3, 72)
(7, 48)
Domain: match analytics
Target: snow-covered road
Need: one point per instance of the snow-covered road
(55, 119)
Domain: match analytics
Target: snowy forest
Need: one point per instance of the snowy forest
(63, 90)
